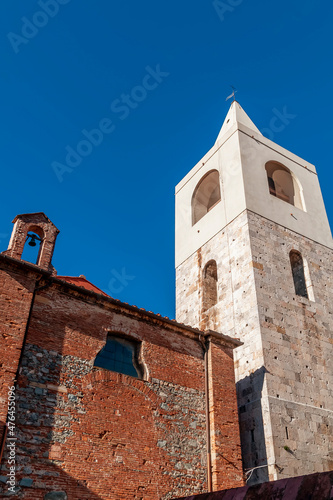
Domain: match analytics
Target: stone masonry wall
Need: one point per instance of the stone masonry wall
(284, 369)
(236, 314)
(298, 347)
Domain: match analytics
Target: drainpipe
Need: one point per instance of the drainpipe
(206, 346)
(36, 289)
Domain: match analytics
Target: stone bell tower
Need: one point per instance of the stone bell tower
(254, 260)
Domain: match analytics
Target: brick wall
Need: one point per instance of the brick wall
(227, 469)
(15, 299)
(96, 434)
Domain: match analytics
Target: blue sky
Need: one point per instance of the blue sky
(115, 207)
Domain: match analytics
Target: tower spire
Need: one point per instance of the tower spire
(236, 114)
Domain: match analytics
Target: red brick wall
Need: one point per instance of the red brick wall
(99, 435)
(226, 459)
(15, 299)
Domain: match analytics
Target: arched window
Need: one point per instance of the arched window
(33, 245)
(120, 355)
(297, 267)
(283, 184)
(206, 195)
(209, 282)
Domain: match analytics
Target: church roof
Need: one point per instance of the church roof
(236, 114)
(83, 282)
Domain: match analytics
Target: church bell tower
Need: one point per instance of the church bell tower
(254, 260)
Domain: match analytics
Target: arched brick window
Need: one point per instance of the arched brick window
(283, 184)
(297, 267)
(120, 355)
(33, 245)
(209, 282)
(206, 195)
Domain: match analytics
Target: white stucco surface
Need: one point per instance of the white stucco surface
(240, 155)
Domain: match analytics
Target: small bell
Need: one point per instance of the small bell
(32, 239)
(32, 242)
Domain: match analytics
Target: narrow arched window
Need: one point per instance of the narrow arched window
(206, 195)
(120, 355)
(33, 245)
(283, 184)
(297, 267)
(209, 282)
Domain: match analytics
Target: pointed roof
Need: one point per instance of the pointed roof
(34, 217)
(236, 114)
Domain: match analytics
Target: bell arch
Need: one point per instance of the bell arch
(283, 184)
(206, 195)
(44, 232)
(33, 244)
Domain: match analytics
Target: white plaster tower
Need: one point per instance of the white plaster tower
(254, 261)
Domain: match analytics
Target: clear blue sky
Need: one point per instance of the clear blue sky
(115, 209)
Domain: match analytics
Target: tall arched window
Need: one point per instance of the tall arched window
(209, 283)
(283, 184)
(297, 267)
(120, 355)
(206, 195)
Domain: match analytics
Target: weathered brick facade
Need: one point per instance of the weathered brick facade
(90, 433)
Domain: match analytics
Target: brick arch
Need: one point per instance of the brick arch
(37, 229)
(41, 225)
(127, 333)
(102, 377)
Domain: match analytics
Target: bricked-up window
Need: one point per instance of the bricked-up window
(297, 267)
(283, 184)
(209, 283)
(120, 355)
(206, 195)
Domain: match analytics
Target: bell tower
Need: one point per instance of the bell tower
(254, 260)
(42, 230)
